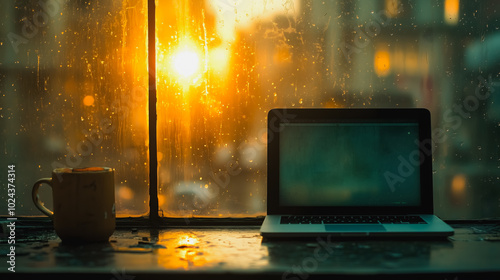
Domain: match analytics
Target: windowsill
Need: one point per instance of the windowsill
(239, 251)
(144, 222)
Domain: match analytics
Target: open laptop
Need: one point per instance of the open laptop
(350, 172)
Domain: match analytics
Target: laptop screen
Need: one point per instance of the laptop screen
(349, 163)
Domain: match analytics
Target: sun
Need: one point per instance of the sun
(186, 63)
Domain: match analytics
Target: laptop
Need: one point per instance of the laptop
(350, 172)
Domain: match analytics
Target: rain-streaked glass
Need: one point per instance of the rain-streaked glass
(221, 65)
(73, 80)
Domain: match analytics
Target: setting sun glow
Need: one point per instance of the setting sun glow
(186, 63)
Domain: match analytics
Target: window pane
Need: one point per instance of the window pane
(73, 80)
(223, 64)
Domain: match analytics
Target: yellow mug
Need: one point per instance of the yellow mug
(83, 201)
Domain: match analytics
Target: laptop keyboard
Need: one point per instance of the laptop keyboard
(380, 219)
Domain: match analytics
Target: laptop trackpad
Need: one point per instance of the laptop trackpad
(355, 228)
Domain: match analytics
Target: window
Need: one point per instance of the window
(73, 92)
(73, 87)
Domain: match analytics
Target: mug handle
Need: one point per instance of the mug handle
(36, 199)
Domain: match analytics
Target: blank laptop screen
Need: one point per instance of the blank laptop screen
(349, 164)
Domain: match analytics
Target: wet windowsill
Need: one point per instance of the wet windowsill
(240, 252)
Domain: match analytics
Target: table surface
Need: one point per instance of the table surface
(240, 250)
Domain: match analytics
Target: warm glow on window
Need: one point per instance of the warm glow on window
(186, 63)
(88, 100)
(219, 58)
(392, 8)
(125, 193)
(233, 15)
(458, 184)
(451, 9)
(458, 189)
(382, 63)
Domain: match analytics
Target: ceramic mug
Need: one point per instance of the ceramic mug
(84, 203)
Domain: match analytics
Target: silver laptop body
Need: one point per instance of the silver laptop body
(350, 172)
